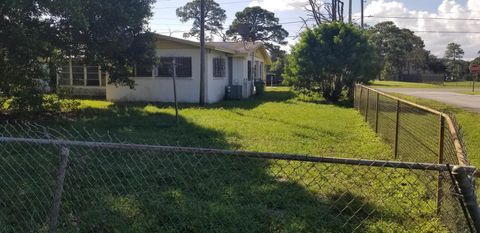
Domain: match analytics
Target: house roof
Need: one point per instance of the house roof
(243, 48)
(236, 48)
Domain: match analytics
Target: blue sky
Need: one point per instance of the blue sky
(165, 20)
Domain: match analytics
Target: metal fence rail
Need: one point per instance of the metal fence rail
(416, 134)
(52, 184)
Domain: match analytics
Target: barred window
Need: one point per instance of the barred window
(183, 67)
(219, 68)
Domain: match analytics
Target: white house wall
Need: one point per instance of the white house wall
(160, 89)
(215, 85)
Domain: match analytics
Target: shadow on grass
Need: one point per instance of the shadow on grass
(152, 192)
(108, 190)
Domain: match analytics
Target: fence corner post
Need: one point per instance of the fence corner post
(58, 190)
(466, 188)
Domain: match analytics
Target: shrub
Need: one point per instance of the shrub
(329, 60)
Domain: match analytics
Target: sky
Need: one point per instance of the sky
(438, 22)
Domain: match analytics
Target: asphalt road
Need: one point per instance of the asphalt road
(448, 96)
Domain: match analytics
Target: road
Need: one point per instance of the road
(448, 96)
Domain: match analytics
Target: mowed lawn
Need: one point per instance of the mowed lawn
(275, 122)
(395, 84)
(469, 123)
(143, 191)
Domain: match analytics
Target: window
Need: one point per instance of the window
(219, 68)
(183, 67)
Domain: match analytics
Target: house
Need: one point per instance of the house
(228, 64)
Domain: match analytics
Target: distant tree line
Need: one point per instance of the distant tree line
(331, 57)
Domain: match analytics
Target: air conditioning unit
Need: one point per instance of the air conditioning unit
(233, 92)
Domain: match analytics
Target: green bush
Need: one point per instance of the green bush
(29, 102)
(329, 60)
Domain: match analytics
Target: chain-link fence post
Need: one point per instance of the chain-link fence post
(377, 111)
(368, 105)
(360, 99)
(463, 178)
(440, 161)
(58, 189)
(397, 129)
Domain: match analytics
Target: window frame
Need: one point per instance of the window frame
(182, 74)
(219, 67)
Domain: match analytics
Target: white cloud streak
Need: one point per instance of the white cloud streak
(279, 5)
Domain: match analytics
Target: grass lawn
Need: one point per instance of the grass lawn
(470, 92)
(276, 122)
(143, 191)
(469, 123)
(394, 84)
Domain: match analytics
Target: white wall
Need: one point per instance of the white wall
(216, 85)
(160, 89)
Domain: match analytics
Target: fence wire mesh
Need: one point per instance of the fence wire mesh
(111, 186)
(416, 134)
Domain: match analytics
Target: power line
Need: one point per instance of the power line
(447, 32)
(418, 18)
(221, 3)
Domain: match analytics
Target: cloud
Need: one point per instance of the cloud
(279, 5)
(421, 21)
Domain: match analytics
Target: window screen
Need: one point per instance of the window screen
(183, 67)
(219, 67)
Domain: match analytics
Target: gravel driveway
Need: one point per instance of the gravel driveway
(448, 96)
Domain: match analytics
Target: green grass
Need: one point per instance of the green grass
(395, 84)
(143, 191)
(276, 122)
(469, 123)
(469, 92)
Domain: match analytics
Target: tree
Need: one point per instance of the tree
(398, 48)
(256, 24)
(453, 55)
(110, 33)
(104, 32)
(454, 51)
(214, 18)
(25, 43)
(329, 59)
(323, 12)
(436, 65)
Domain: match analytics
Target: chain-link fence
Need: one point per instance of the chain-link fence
(416, 133)
(70, 181)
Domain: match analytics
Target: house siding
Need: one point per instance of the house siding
(160, 89)
(216, 85)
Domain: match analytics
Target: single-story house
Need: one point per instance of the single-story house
(228, 66)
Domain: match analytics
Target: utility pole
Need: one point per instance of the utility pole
(350, 11)
(202, 52)
(174, 66)
(361, 5)
(334, 10)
